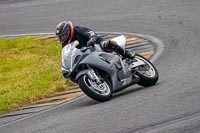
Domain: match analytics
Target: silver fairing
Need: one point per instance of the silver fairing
(70, 50)
(68, 53)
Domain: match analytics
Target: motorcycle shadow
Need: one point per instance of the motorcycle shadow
(131, 90)
(127, 91)
(86, 102)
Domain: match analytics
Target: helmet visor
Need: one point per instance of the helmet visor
(63, 37)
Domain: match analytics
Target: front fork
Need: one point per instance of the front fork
(93, 77)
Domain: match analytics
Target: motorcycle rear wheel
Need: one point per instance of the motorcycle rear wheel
(148, 73)
(99, 92)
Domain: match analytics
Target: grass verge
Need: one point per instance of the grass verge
(29, 70)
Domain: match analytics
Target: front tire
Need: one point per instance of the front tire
(148, 73)
(101, 92)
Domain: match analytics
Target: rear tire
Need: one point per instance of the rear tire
(101, 92)
(149, 76)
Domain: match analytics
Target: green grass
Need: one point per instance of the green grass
(29, 70)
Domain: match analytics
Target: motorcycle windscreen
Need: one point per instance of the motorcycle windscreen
(67, 56)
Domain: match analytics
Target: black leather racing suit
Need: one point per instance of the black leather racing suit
(83, 35)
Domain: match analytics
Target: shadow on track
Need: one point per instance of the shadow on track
(86, 102)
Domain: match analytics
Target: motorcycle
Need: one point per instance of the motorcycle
(100, 74)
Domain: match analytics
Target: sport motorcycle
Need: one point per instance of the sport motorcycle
(99, 74)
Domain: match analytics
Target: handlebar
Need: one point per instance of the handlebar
(85, 48)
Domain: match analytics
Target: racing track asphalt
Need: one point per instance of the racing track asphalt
(171, 106)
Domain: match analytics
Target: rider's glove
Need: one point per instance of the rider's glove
(91, 42)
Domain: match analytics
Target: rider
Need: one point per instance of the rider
(68, 33)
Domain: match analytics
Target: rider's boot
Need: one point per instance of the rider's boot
(125, 53)
(129, 54)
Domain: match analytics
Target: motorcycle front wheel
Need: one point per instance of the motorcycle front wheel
(100, 92)
(148, 73)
